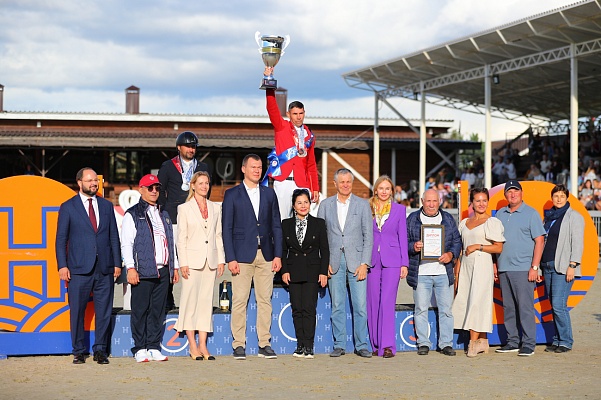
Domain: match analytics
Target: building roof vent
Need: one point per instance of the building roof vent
(132, 100)
(281, 98)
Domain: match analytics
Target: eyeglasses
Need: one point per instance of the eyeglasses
(153, 188)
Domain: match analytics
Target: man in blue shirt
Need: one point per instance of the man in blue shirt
(518, 266)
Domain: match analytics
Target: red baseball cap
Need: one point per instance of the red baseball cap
(148, 180)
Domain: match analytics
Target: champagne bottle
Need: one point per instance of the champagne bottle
(224, 299)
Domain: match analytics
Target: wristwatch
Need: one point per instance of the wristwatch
(535, 267)
(573, 265)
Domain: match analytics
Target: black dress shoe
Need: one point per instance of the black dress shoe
(423, 350)
(100, 357)
(448, 351)
(79, 359)
(562, 349)
(551, 348)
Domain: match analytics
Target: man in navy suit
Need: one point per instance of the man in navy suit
(89, 258)
(252, 238)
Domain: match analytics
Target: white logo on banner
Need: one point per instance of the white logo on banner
(280, 323)
(412, 339)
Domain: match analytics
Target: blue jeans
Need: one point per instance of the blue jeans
(558, 291)
(338, 292)
(422, 296)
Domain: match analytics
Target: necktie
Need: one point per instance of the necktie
(92, 215)
(300, 225)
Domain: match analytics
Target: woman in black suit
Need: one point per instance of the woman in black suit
(304, 268)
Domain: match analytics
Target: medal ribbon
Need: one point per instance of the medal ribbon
(186, 175)
(275, 161)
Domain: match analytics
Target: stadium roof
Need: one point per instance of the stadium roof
(530, 59)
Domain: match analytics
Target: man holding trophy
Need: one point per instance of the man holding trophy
(292, 162)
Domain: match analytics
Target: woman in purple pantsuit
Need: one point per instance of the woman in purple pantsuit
(389, 264)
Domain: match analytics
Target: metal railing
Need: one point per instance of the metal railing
(596, 216)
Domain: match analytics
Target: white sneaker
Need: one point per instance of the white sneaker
(155, 355)
(141, 356)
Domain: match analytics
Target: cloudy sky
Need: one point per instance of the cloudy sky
(200, 57)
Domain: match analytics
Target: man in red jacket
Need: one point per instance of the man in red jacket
(292, 162)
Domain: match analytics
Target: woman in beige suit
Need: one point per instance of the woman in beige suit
(201, 258)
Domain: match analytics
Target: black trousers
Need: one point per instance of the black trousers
(148, 299)
(303, 301)
(79, 289)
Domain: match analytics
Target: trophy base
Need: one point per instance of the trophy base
(268, 84)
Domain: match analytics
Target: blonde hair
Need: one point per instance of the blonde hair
(193, 181)
(379, 181)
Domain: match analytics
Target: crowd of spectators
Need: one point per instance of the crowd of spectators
(547, 160)
(444, 182)
(554, 161)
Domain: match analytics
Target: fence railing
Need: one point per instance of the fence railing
(596, 216)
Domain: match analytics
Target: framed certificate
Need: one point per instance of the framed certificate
(433, 240)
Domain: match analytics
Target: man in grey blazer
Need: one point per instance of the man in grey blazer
(350, 236)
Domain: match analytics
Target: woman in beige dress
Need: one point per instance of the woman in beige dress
(201, 259)
(482, 236)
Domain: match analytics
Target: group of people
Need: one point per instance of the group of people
(527, 249)
(175, 233)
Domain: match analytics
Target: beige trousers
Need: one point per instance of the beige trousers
(260, 272)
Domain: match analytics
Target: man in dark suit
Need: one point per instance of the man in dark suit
(175, 175)
(89, 258)
(252, 238)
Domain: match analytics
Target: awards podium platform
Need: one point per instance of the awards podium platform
(220, 341)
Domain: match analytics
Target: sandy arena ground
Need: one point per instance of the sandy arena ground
(505, 376)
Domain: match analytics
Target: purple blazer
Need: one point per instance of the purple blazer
(390, 245)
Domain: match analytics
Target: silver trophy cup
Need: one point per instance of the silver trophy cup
(271, 48)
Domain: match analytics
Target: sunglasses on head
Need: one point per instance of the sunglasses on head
(153, 188)
(300, 191)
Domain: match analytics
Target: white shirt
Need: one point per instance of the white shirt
(470, 178)
(510, 169)
(342, 210)
(186, 164)
(431, 267)
(255, 197)
(300, 132)
(86, 205)
(545, 166)
(128, 235)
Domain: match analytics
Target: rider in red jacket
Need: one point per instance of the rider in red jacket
(296, 165)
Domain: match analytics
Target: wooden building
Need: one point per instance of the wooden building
(123, 147)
